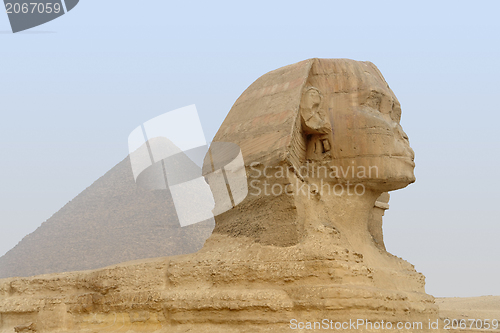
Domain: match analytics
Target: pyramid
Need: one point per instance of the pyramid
(111, 221)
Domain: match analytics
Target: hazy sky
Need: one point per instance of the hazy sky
(73, 89)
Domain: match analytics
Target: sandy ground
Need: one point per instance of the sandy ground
(468, 308)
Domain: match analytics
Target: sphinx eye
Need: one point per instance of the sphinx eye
(396, 112)
(374, 100)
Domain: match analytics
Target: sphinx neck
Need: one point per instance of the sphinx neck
(348, 212)
(353, 211)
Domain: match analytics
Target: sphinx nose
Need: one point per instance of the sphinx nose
(411, 153)
(401, 135)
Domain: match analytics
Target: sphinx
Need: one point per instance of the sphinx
(322, 146)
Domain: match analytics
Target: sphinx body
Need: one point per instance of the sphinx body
(322, 146)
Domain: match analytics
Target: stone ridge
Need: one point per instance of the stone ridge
(212, 292)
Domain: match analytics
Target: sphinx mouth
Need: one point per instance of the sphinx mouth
(405, 158)
(405, 153)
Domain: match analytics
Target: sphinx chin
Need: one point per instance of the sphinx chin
(389, 185)
(392, 173)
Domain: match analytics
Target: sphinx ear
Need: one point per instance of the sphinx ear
(313, 117)
(312, 133)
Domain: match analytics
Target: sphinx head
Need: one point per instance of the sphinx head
(316, 122)
(350, 121)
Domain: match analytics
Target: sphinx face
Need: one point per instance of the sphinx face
(374, 140)
(368, 144)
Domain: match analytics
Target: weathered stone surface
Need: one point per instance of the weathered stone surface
(307, 252)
